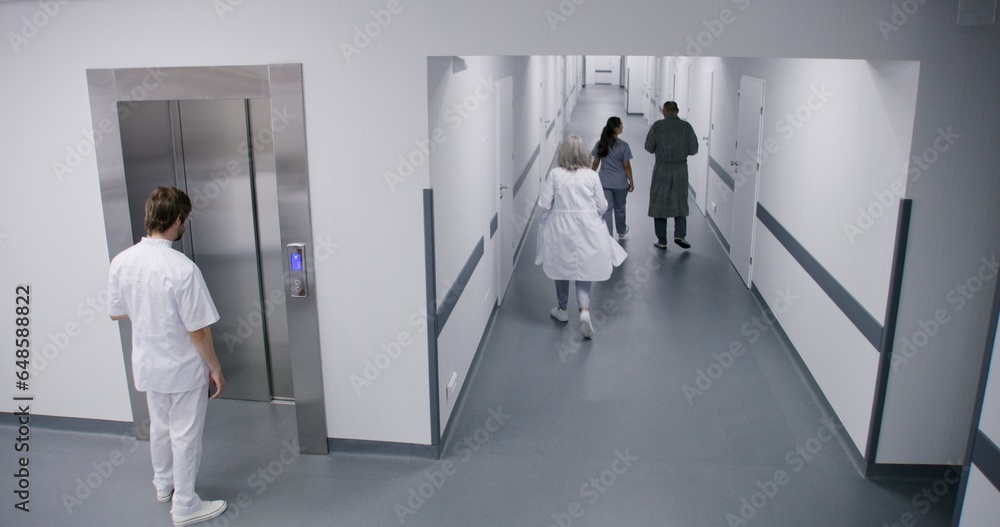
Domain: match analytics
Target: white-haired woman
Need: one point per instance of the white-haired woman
(573, 241)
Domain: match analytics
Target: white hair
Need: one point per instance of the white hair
(573, 154)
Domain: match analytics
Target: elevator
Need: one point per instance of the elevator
(233, 138)
(218, 152)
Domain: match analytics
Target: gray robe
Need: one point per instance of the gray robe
(672, 140)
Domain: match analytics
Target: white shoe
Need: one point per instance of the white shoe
(623, 235)
(586, 328)
(559, 314)
(208, 510)
(164, 496)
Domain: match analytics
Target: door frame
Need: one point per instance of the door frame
(504, 187)
(282, 84)
(745, 193)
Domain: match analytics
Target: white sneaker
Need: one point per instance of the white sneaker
(559, 314)
(623, 235)
(586, 328)
(208, 510)
(164, 496)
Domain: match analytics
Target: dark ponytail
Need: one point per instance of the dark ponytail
(608, 136)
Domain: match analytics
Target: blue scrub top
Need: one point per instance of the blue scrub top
(612, 171)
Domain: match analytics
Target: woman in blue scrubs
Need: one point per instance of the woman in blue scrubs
(612, 155)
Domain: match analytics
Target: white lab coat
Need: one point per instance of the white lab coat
(573, 242)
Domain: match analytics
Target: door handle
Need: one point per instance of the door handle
(504, 187)
(734, 164)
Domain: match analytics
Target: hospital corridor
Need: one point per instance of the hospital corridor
(687, 408)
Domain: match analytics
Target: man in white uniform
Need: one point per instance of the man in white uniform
(173, 359)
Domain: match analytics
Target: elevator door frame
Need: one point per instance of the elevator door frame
(282, 84)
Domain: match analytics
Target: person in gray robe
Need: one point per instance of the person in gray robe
(672, 140)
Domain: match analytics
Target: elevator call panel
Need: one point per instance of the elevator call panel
(297, 284)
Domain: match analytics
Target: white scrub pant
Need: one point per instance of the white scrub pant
(176, 424)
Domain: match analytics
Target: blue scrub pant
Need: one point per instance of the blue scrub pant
(616, 203)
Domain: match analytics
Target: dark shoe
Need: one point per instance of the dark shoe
(660, 245)
(683, 243)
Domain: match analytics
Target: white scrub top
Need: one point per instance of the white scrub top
(573, 241)
(165, 297)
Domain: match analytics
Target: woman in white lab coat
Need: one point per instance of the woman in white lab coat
(573, 241)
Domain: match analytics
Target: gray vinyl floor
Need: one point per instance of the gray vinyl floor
(553, 430)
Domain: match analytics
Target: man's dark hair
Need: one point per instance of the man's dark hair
(164, 206)
(671, 106)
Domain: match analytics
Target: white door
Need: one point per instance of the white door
(603, 69)
(635, 101)
(505, 185)
(682, 89)
(701, 120)
(746, 166)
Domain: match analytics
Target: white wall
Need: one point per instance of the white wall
(835, 134)
(365, 109)
(981, 503)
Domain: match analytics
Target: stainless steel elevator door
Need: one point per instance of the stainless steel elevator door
(272, 256)
(205, 148)
(148, 155)
(224, 239)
